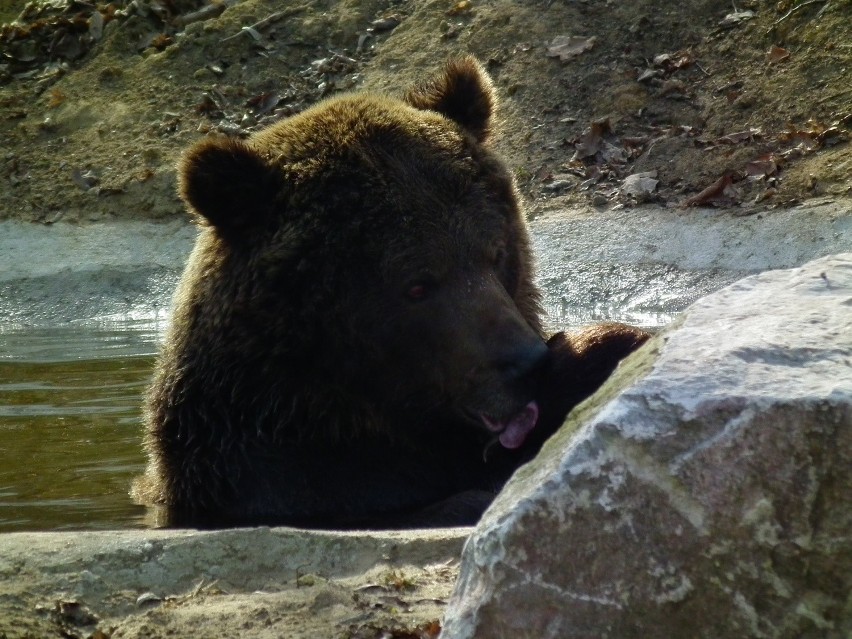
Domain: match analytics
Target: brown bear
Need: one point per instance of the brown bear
(356, 340)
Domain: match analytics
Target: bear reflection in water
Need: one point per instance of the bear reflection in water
(357, 340)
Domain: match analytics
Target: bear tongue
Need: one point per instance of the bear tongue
(515, 430)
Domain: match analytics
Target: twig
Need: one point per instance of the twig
(823, 10)
(204, 13)
(796, 8)
(827, 98)
(272, 17)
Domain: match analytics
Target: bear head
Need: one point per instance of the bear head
(366, 261)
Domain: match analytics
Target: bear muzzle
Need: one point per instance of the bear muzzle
(513, 432)
(515, 414)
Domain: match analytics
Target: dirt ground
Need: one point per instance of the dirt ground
(260, 583)
(604, 101)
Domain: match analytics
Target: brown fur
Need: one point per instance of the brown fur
(359, 297)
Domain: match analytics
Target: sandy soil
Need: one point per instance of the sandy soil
(261, 583)
(701, 104)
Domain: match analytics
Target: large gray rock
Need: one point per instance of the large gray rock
(705, 492)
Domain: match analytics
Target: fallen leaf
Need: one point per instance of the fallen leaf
(387, 23)
(569, 47)
(463, 6)
(777, 54)
(809, 137)
(721, 190)
(740, 136)
(589, 142)
(55, 98)
(73, 613)
(735, 18)
(674, 61)
(649, 74)
(263, 103)
(831, 136)
(635, 142)
(762, 167)
(762, 197)
(86, 180)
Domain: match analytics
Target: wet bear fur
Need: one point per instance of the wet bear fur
(357, 339)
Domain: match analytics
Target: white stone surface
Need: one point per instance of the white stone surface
(711, 498)
(640, 265)
(36, 250)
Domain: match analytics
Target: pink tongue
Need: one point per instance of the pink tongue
(517, 429)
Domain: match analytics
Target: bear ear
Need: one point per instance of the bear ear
(229, 184)
(462, 91)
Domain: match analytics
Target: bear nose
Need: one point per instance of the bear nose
(523, 359)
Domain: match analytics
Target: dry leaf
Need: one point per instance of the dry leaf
(740, 136)
(589, 143)
(831, 136)
(55, 98)
(721, 190)
(809, 138)
(777, 54)
(764, 166)
(387, 23)
(649, 74)
(86, 180)
(263, 103)
(735, 18)
(463, 6)
(569, 47)
(673, 61)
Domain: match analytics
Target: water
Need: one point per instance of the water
(77, 351)
(70, 424)
(646, 295)
(71, 386)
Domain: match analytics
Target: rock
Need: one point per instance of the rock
(640, 184)
(706, 491)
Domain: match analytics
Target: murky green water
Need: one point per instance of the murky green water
(71, 391)
(70, 426)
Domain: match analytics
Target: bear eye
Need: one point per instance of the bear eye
(419, 290)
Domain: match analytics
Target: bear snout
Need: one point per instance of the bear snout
(502, 391)
(523, 360)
